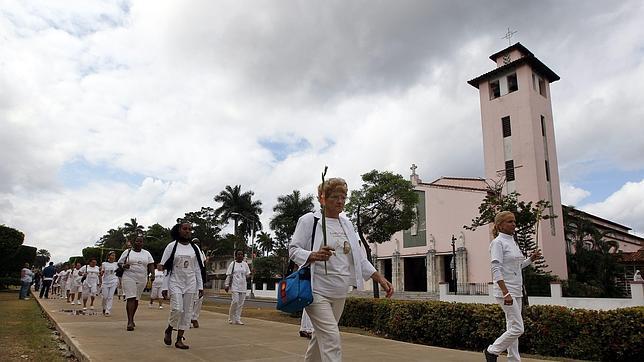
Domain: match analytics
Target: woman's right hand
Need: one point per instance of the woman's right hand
(126, 266)
(323, 254)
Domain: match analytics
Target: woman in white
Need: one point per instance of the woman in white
(198, 300)
(75, 284)
(157, 287)
(62, 281)
(236, 275)
(109, 281)
(184, 277)
(137, 264)
(506, 261)
(346, 266)
(90, 284)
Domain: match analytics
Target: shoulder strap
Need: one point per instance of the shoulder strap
(169, 264)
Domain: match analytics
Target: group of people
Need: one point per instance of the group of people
(337, 263)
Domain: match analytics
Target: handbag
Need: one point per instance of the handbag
(120, 270)
(84, 275)
(294, 291)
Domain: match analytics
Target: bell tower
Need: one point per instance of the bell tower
(519, 140)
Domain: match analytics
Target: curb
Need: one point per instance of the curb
(74, 348)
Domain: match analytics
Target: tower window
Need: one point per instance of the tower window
(547, 171)
(509, 170)
(507, 130)
(534, 81)
(513, 85)
(495, 89)
(542, 87)
(543, 126)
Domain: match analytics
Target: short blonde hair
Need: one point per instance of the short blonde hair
(498, 219)
(332, 185)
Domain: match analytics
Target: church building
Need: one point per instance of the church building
(519, 147)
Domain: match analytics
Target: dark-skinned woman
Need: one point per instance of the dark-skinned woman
(138, 263)
(184, 277)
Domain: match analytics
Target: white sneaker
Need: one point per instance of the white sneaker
(239, 323)
(230, 322)
(78, 302)
(91, 307)
(84, 308)
(160, 307)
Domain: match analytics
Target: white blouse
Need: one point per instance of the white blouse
(506, 262)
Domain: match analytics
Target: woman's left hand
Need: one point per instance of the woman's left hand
(200, 293)
(386, 285)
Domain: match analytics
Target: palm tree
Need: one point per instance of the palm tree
(288, 210)
(44, 253)
(265, 242)
(241, 208)
(133, 228)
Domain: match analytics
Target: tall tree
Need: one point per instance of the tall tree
(205, 226)
(241, 208)
(287, 211)
(113, 239)
(384, 205)
(133, 228)
(265, 243)
(42, 257)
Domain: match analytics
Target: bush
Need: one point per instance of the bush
(615, 335)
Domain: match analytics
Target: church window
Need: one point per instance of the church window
(507, 130)
(513, 85)
(495, 89)
(534, 81)
(543, 126)
(547, 171)
(542, 87)
(509, 170)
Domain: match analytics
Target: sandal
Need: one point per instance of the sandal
(130, 327)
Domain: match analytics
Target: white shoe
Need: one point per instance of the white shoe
(91, 307)
(230, 322)
(78, 302)
(239, 323)
(84, 308)
(160, 307)
(107, 314)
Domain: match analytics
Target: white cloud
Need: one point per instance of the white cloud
(571, 195)
(625, 206)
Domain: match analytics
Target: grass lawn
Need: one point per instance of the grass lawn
(25, 334)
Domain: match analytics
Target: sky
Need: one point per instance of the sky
(111, 110)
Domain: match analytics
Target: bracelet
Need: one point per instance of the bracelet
(506, 294)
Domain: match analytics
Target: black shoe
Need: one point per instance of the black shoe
(489, 357)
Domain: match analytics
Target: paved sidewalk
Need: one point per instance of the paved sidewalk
(99, 338)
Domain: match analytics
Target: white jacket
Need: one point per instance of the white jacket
(506, 262)
(300, 248)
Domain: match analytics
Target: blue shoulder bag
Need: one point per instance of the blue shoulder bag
(294, 291)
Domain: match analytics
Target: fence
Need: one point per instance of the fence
(555, 298)
(471, 289)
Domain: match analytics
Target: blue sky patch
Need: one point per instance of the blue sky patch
(603, 182)
(282, 149)
(80, 172)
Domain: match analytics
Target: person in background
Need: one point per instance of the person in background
(137, 264)
(76, 285)
(47, 279)
(506, 262)
(91, 282)
(198, 302)
(184, 277)
(157, 286)
(37, 279)
(346, 266)
(26, 278)
(108, 281)
(236, 275)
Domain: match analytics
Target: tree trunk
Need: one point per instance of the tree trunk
(376, 287)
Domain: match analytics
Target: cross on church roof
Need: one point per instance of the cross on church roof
(509, 35)
(413, 169)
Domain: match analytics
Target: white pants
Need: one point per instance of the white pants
(108, 297)
(305, 323)
(325, 314)
(236, 304)
(509, 340)
(196, 307)
(181, 310)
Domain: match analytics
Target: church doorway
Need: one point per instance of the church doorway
(415, 274)
(447, 271)
(387, 269)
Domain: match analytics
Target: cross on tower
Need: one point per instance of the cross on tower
(413, 169)
(509, 35)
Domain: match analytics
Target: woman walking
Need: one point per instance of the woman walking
(236, 275)
(184, 277)
(137, 264)
(109, 281)
(157, 287)
(506, 262)
(90, 283)
(76, 284)
(26, 278)
(346, 266)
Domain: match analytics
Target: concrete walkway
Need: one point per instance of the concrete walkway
(94, 337)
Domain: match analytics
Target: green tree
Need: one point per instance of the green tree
(12, 255)
(113, 239)
(241, 208)
(384, 205)
(132, 229)
(287, 212)
(42, 257)
(205, 226)
(265, 243)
